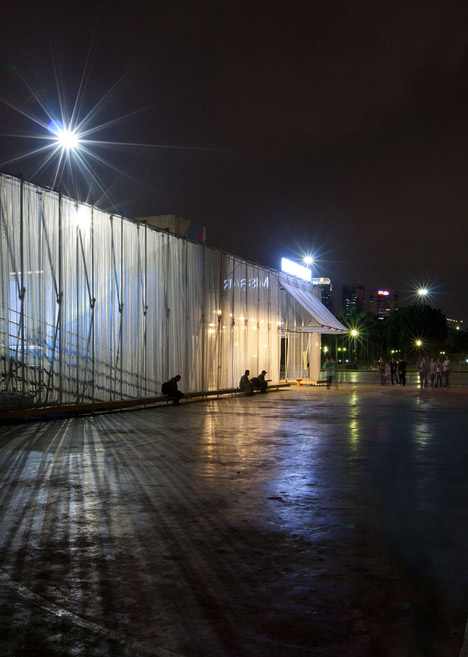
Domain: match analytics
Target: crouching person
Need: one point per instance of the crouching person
(245, 384)
(170, 389)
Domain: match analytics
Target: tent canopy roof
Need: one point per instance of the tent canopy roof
(325, 321)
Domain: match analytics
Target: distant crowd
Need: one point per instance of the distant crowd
(434, 373)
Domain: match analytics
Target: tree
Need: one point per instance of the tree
(405, 327)
(370, 338)
(457, 342)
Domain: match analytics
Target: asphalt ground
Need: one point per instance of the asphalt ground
(305, 522)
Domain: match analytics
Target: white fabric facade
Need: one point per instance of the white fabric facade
(95, 307)
(304, 319)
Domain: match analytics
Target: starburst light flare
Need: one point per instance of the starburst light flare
(68, 139)
(69, 142)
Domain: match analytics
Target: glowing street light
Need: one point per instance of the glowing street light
(354, 333)
(69, 149)
(308, 260)
(67, 139)
(423, 292)
(419, 343)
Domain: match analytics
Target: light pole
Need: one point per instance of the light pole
(354, 334)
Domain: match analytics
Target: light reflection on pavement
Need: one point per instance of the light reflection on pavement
(300, 523)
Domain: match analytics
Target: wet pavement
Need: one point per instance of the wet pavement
(304, 522)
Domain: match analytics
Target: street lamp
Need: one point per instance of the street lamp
(66, 138)
(354, 334)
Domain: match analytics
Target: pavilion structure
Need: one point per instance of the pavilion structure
(98, 307)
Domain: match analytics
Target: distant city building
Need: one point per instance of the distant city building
(352, 296)
(455, 323)
(383, 302)
(326, 291)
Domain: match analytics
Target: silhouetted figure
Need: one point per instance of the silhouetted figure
(381, 368)
(394, 371)
(260, 382)
(424, 369)
(402, 371)
(446, 371)
(245, 384)
(170, 389)
(438, 376)
(433, 365)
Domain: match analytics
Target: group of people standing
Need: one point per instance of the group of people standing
(393, 370)
(434, 373)
(437, 371)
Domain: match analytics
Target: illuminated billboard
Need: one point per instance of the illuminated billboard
(383, 293)
(290, 267)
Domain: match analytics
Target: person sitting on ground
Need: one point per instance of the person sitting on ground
(245, 384)
(170, 389)
(260, 381)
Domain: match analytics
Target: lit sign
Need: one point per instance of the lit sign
(290, 267)
(383, 293)
(245, 283)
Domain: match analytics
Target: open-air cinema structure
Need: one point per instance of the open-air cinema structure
(95, 307)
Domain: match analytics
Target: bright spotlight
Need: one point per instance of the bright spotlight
(423, 291)
(308, 260)
(68, 140)
(354, 333)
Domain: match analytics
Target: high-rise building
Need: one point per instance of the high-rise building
(352, 296)
(383, 302)
(326, 291)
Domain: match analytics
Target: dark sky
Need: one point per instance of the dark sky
(336, 127)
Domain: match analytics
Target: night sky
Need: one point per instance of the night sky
(284, 127)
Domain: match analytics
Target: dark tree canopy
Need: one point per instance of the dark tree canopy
(419, 322)
(411, 331)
